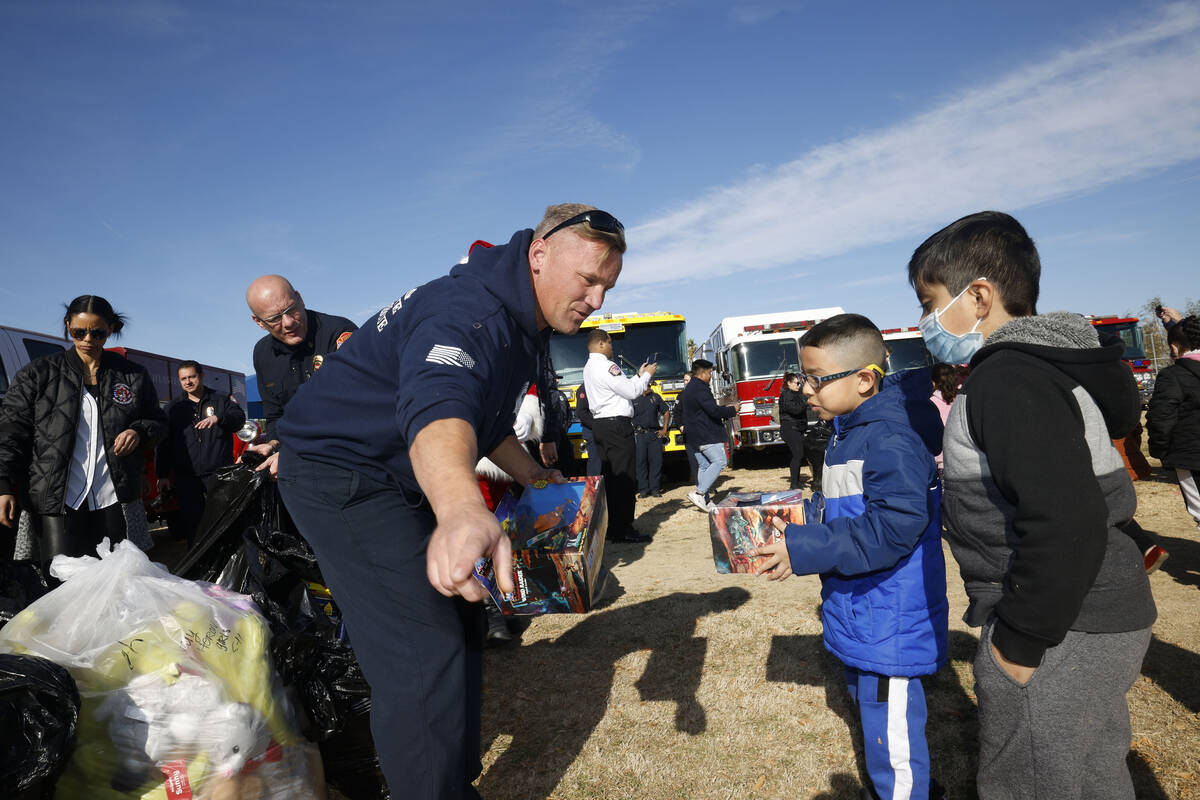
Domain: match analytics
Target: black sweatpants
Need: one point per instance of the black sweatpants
(794, 439)
(618, 457)
(192, 492)
(421, 652)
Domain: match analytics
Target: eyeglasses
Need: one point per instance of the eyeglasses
(815, 382)
(596, 219)
(97, 334)
(294, 311)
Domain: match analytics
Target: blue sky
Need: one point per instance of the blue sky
(763, 155)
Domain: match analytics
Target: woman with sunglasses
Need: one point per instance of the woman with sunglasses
(72, 429)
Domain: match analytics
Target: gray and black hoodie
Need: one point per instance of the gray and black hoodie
(1035, 492)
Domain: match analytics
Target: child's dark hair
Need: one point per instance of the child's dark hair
(946, 378)
(991, 245)
(95, 304)
(1185, 334)
(853, 333)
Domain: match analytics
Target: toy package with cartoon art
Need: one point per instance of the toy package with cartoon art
(557, 533)
(742, 521)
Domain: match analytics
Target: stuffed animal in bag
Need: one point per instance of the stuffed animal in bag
(157, 719)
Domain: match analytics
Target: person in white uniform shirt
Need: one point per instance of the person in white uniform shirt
(610, 397)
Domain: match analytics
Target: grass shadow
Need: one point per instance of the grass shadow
(1184, 562)
(550, 695)
(1174, 670)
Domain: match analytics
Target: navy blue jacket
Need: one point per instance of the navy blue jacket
(464, 346)
(188, 451)
(879, 549)
(281, 369)
(702, 416)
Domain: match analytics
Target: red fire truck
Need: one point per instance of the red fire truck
(751, 354)
(1129, 331)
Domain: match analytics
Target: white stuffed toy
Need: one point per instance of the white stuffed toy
(159, 718)
(528, 427)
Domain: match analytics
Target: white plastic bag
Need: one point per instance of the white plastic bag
(180, 699)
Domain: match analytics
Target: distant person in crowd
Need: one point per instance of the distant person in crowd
(705, 430)
(610, 398)
(878, 551)
(583, 410)
(377, 467)
(793, 422)
(688, 449)
(72, 428)
(1035, 497)
(651, 423)
(947, 378)
(297, 343)
(1173, 421)
(199, 441)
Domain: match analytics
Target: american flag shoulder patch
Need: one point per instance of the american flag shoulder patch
(450, 356)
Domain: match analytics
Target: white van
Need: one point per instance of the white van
(19, 347)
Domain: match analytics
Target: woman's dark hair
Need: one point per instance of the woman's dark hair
(95, 304)
(788, 377)
(1185, 334)
(946, 378)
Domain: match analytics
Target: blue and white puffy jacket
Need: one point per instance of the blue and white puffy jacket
(879, 550)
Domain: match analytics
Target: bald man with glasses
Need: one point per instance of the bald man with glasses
(297, 342)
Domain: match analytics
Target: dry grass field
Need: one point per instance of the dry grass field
(689, 684)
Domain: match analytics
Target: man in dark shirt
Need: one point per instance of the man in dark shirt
(198, 442)
(651, 421)
(297, 343)
(377, 468)
(584, 411)
(705, 422)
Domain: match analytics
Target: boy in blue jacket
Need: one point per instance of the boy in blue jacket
(878, 551)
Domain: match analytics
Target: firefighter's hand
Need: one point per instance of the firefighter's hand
(126, 442)
(648, 368)
(469, 533)
(271, 463)
(545, 474)
(8, 510)
(778, 565)
(548, 452)
(207, 422)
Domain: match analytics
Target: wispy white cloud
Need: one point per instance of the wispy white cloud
(1122, 106)
(895, 276)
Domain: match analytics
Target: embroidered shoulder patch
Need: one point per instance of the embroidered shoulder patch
(341, 340)
(450, 356)
(615, 370)
(122, 394)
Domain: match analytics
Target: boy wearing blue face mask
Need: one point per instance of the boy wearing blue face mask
(1034, 497)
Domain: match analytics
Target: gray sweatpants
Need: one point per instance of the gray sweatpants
(1065, 734)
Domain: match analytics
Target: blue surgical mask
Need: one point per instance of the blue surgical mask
(945, 346)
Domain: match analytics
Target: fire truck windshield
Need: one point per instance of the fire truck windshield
(906, 354)
(1130, 334)
(635, 344)
(766, 358)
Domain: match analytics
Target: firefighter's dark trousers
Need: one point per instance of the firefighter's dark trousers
(420, 652)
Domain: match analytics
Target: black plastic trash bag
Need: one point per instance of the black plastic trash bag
(39, 709)
(21, 582)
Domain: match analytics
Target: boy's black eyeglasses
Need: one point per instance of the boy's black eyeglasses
(98, 334)
(596, 219)
(817, 381)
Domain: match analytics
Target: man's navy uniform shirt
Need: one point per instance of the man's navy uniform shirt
(281, 369)
(648, 411)
(464, 346)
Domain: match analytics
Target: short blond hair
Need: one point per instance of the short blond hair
(562, 212)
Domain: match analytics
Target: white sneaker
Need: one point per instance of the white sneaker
(698, 500)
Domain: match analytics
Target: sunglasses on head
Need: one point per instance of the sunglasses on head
(98, 334)
(596, 219)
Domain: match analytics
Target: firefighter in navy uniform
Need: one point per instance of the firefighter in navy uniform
(377, 467)
(199, 441)
(297, 343)
(651, 423)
